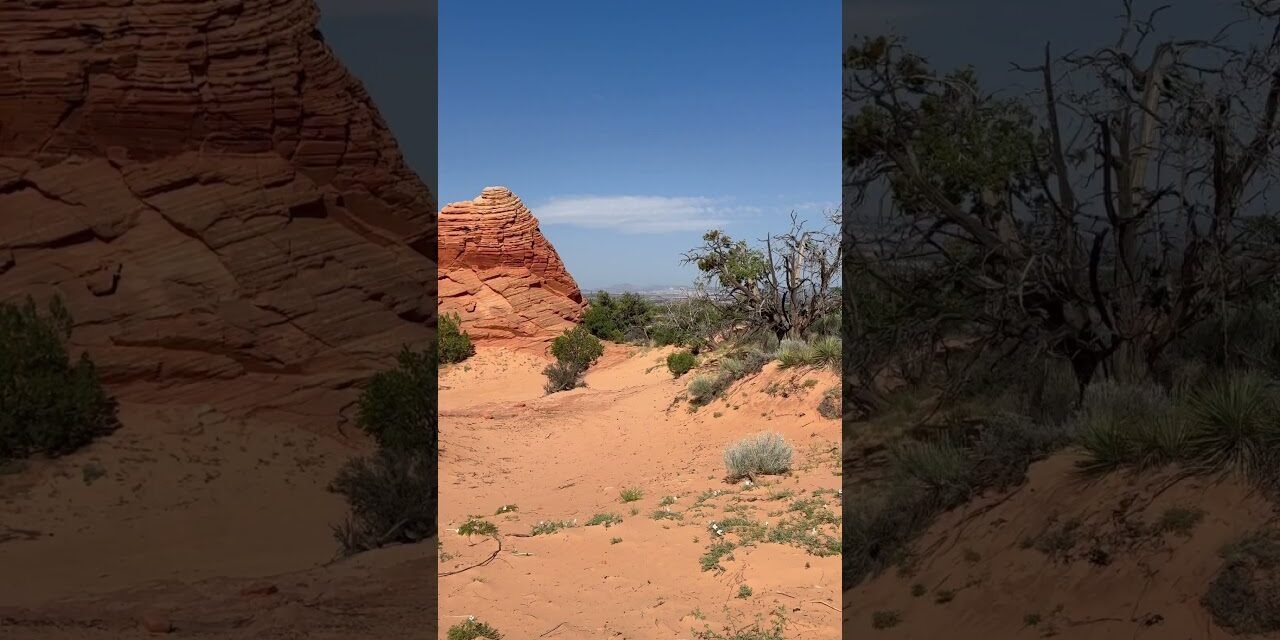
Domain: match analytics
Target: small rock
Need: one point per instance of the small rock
(259, 589)
(488, 416)
(156, 622)
(104, 281)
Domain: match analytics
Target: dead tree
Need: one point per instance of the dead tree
(1106, 212)
(784, 287)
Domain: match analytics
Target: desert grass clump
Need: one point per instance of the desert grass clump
(631, 494)
(473, 629)
(1179, 520)
(453, 344)
(1234, 426)
(48, 404)
(941, 468)
(703, 389)
(477, 527)
(548, 527)
(793, 353)
(885, 619)
(1128, 424)
(606, 519)
(577, 346)
(732, 367)
(1244, 596)
(398, 407)
(392, 496)
(761, 454)
(680, 363)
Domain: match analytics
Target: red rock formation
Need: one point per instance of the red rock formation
(499, 273)
(216, 198)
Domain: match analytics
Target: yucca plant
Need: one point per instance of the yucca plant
(1234, 427)
(942, 467)
(1108, 447)
(825, 351)
(1120, 425)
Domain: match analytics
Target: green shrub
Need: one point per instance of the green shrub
(1008, 445)
(392, 499)
(692, 323)
(453, 345)
(624, 318)
(1244, 596)
(761, 454)
(680, 362)
(398, 407)
(577, 346)
(562, 376)
(47, 404)
(601, 319)
(473, 629)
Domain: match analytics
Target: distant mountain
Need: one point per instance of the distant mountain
(653, 292)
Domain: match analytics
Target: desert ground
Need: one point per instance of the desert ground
(520, 458)
(1069, 558)
(205, 524)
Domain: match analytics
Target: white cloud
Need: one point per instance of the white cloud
(812, 207)
(641, 214)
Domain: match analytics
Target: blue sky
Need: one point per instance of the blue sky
(629, 128)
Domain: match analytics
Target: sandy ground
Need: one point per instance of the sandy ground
(211, 526)
(567, 457)
(178, 493)
(983, 571)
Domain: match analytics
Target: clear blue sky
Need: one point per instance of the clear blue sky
(631, 127)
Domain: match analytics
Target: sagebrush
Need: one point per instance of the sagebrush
(761, 454)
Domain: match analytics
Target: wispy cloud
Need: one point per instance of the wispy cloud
(642, 214)
(812, 207)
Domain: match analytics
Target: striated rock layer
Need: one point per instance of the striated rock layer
(499, 273)
(214, 196)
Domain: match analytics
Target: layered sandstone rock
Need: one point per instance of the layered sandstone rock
(499, 273)
(215, 197)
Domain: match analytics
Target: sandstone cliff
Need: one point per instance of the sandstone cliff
(499, 273)
(216, 198)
